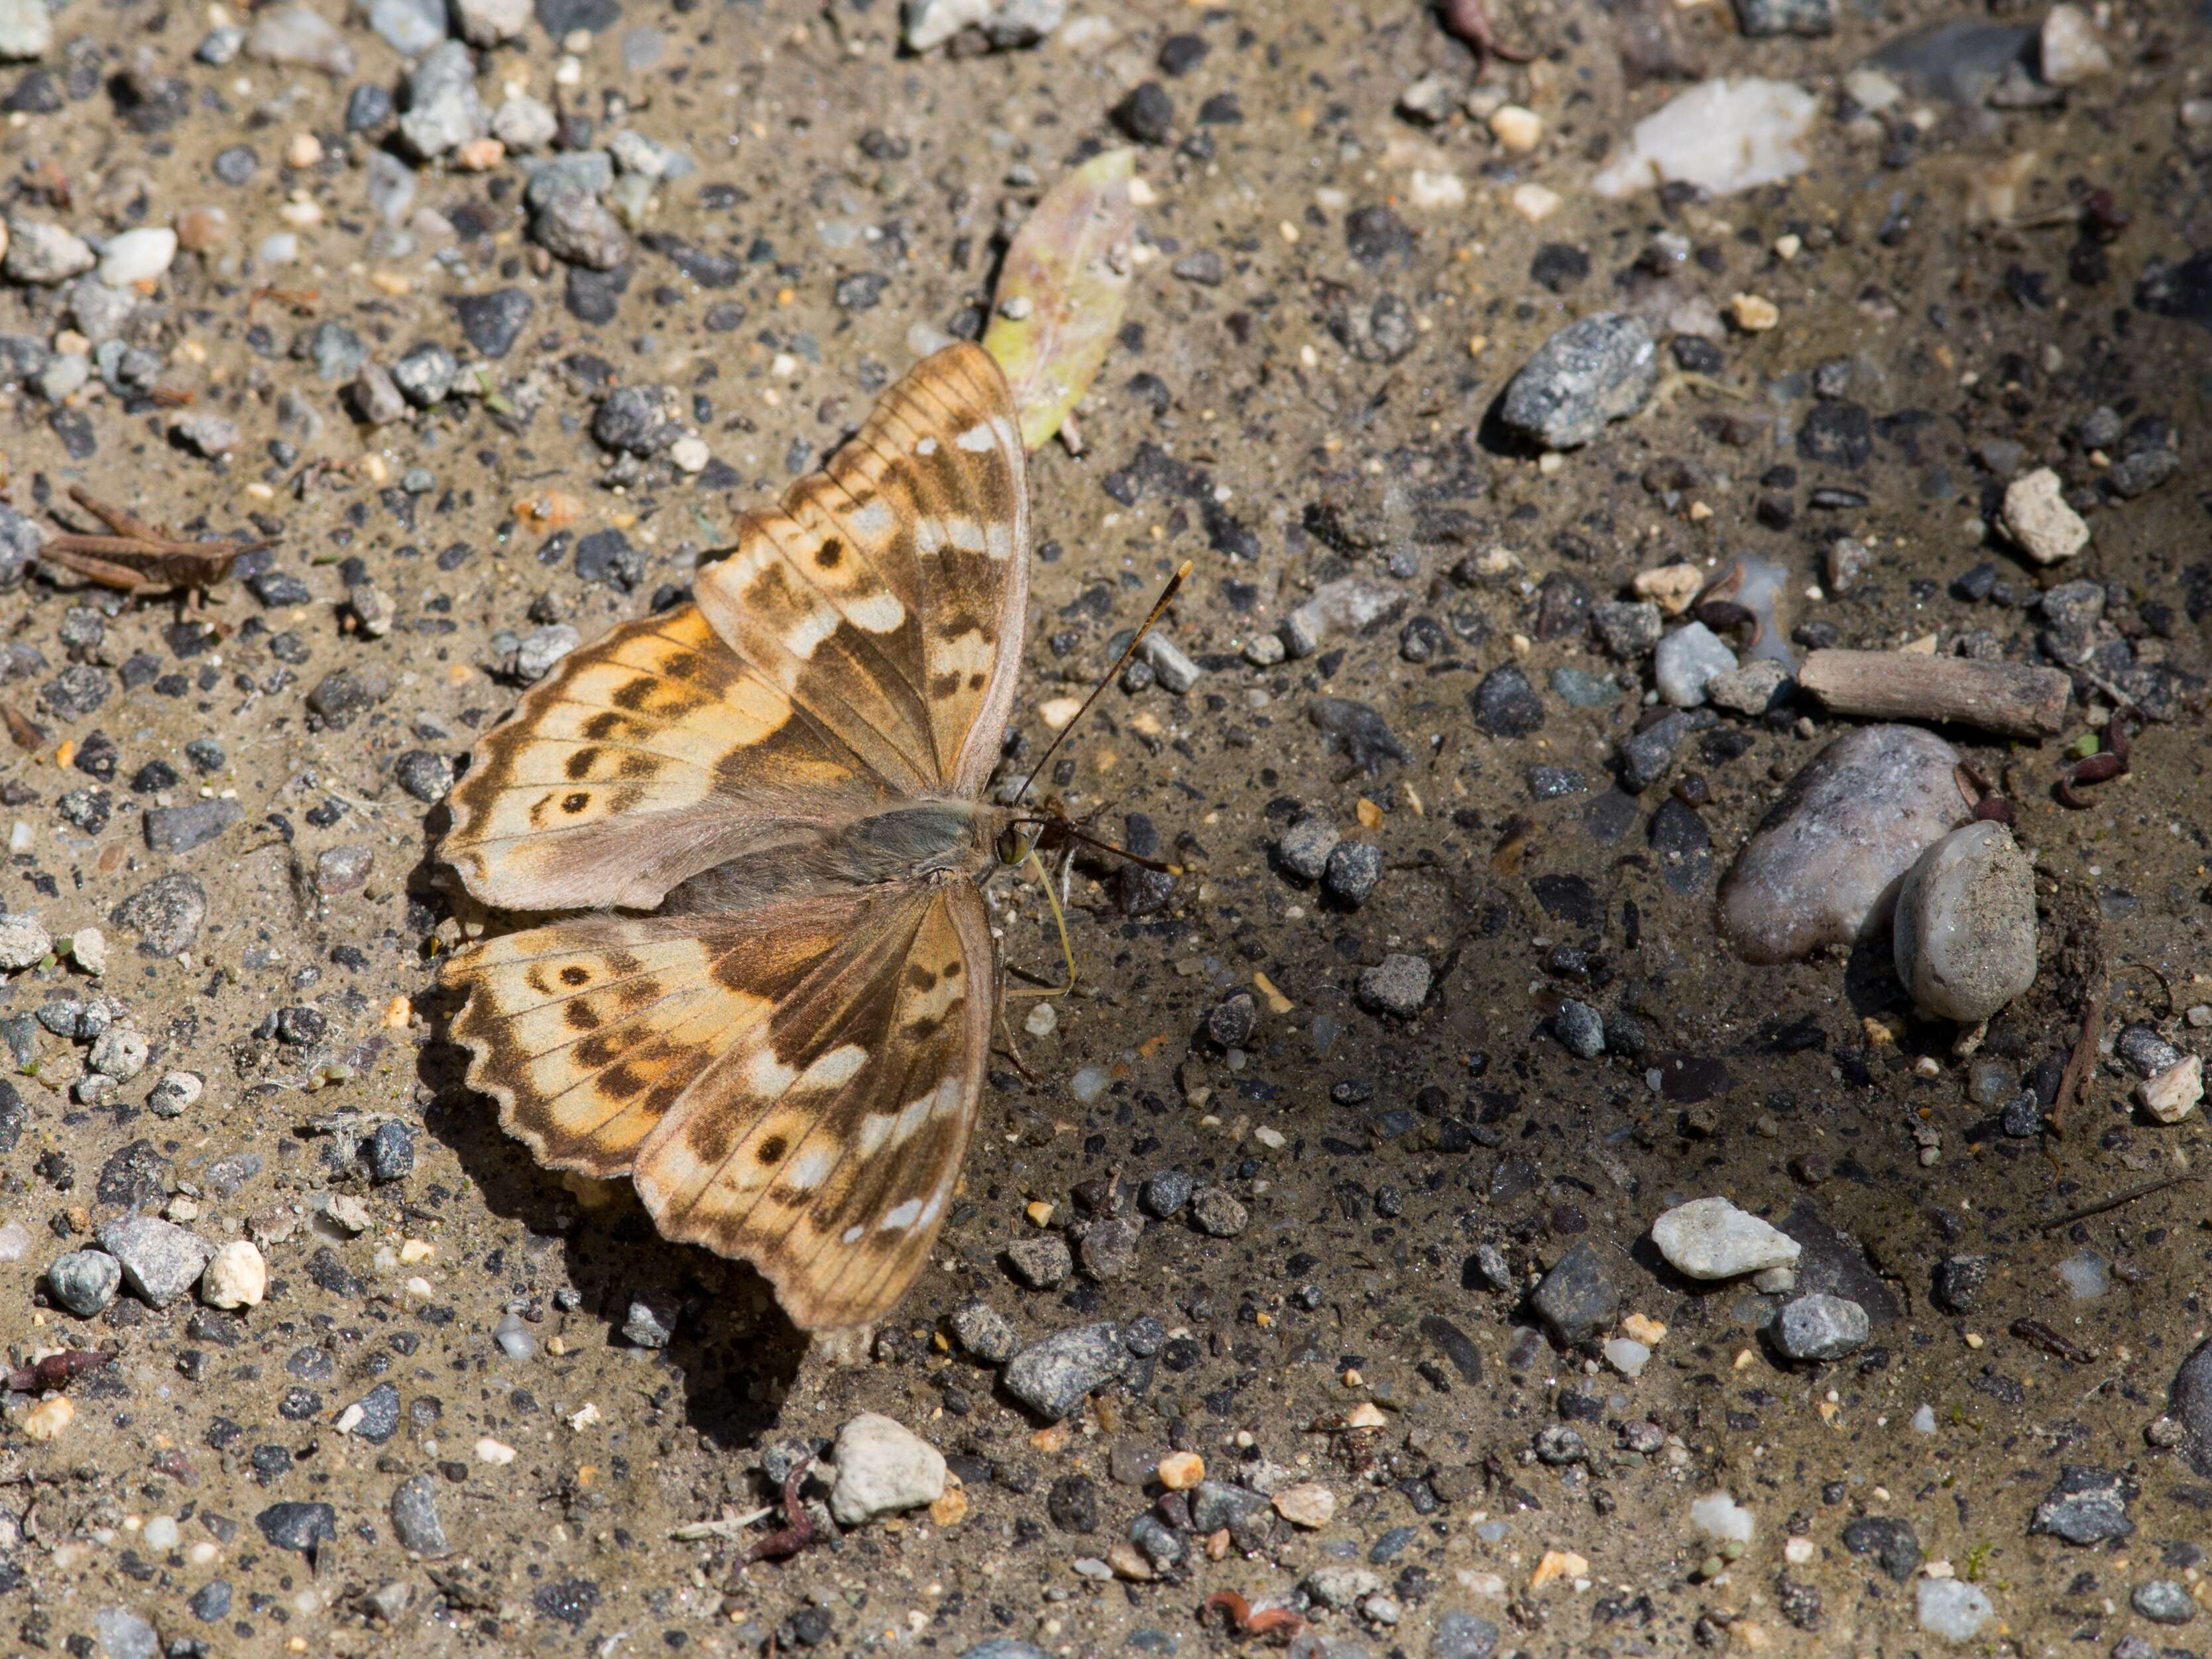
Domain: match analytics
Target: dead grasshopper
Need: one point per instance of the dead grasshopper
(141, 558)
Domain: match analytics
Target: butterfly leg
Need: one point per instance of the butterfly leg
(1059, 920)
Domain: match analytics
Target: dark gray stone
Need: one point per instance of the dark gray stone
(1505, 705)
(492, 322)
(1354, 872)
(425, 776)
(2189, 1402)
(301, 1527)
(379, 1414)
(2086, 1506)
(182, 829)
(1577, 1299)
(415, 1517)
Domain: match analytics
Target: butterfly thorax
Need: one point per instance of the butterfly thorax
(924, 839)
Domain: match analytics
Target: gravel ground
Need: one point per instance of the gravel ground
(1315, 1265)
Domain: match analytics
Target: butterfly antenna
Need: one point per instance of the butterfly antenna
(1159, 609)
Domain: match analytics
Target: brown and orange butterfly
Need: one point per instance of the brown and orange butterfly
(785, 1056)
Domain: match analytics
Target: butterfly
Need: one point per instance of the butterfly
(786, 1056)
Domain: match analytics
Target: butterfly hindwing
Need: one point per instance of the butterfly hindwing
(887, 592)
(645, 758)
(825, 1147)
(588, 1031)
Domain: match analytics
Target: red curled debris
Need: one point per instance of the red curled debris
(2111, 762)
(798, 1532)
(1468, 22)
(1237, 1615)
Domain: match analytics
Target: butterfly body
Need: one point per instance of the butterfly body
(786, 1055)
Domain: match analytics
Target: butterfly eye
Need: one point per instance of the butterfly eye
(1011, 848)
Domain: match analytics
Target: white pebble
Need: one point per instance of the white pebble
(138, 256)
(236, 1277)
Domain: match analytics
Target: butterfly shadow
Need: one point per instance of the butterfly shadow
(713, 1322)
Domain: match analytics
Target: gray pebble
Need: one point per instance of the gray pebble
(1821, 1326)
(1599, 369)
(1353, 873)
(1303, 850)
(1580, 1029)
(415, 1517)
(1166, 1191)
(1399, 985)
(426, 374)
(1054, 1376)
(1041, 1262)
(1577, 1298)
(160, 1261)
(573, 227)
(425, 776)
(982, 1331)
(1218, 1213)
(2086, 1506)
(650, 1322)
(1965, 939)
(166, 914)
(2164, 1602)
(84, 1282)
(1627, 629)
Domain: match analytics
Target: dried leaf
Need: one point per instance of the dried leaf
(1061, 292)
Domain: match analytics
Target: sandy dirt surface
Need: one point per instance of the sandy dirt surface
(1331, 297)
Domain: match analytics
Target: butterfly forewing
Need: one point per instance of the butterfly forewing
(644, 758)
(889, 588)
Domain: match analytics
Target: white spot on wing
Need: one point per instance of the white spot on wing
(930, 1209)
(811, 629)
(811, 1167)
(965, 534)
(879, 613)
(926, 446)
(998, 540)
(929, 536)
(767, 1076)
(875, 1130)
(874, 522)
(836, 1068)
(978, 438)
(911, 1120)
(948, 1096)
(902, 1216)
(852, 1234)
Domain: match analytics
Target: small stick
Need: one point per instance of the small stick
(2117, 1199)
(2074, 1081)
(2010, 699)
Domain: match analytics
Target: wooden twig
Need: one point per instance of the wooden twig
(2074, 1082)
(2117, 1199)
(2010, 699)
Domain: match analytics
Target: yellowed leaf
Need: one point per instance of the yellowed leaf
(1062, 290)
